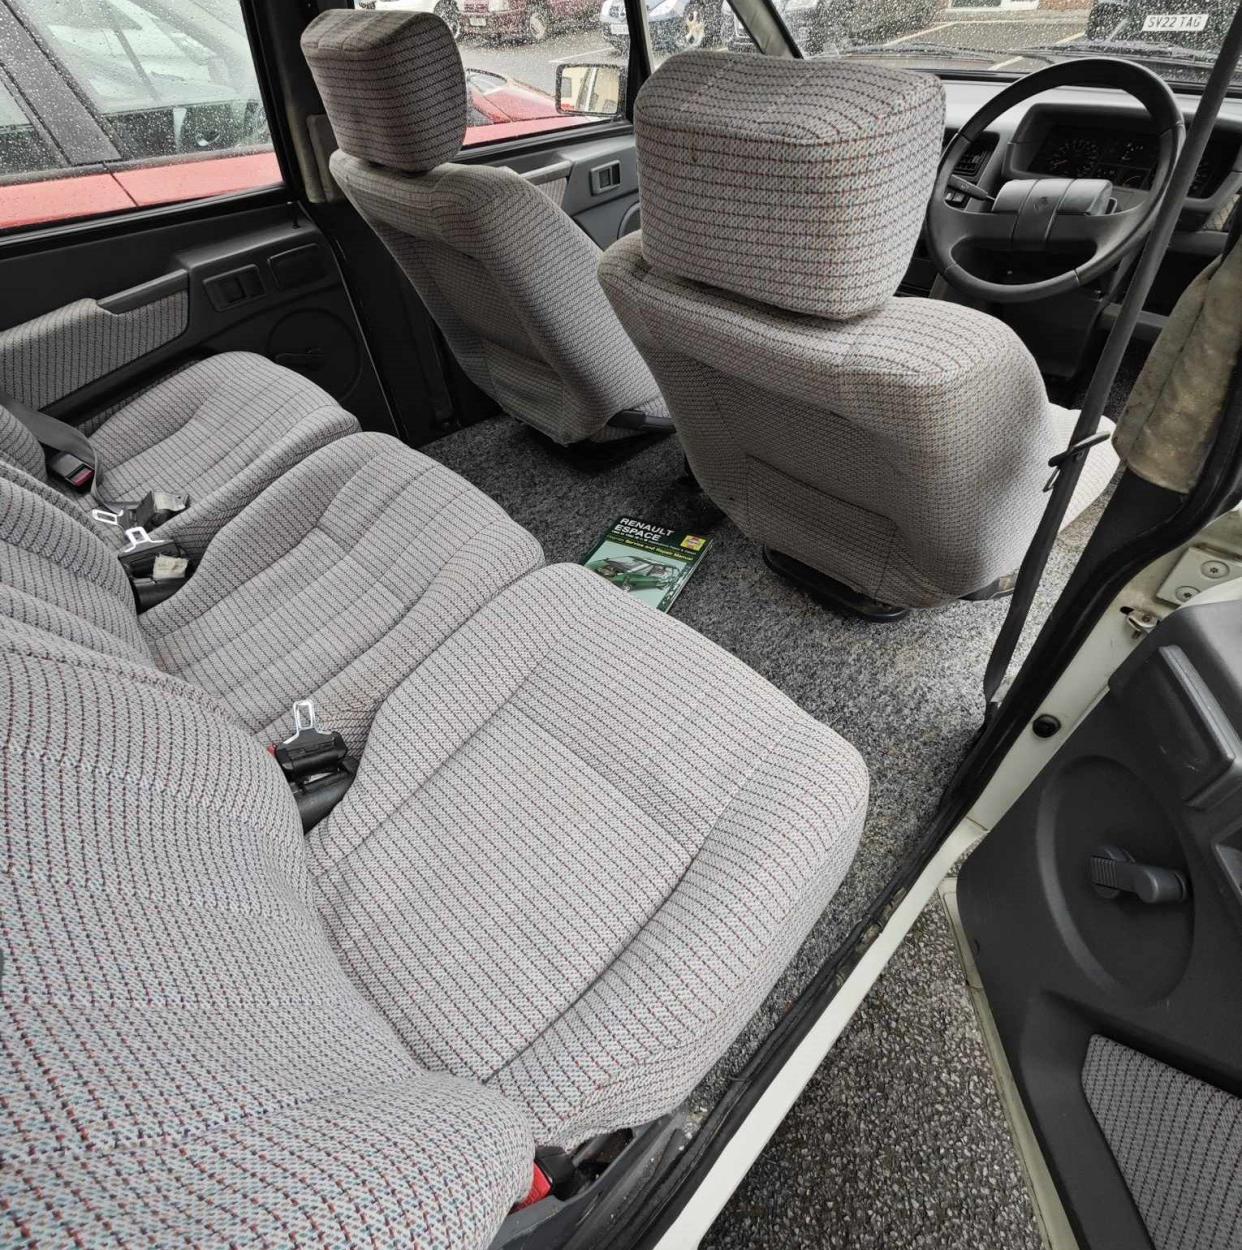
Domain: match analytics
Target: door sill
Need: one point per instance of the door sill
(1054, 1225)
(749, 1138)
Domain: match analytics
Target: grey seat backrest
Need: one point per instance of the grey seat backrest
(182, 1058)
(508, 277)
(896, 445)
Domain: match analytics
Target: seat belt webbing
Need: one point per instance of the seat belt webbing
(58, 439)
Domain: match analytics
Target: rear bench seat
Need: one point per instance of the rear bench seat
(333, 584)
(582, 844)
(220, 431)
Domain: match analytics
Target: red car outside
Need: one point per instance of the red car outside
(499, 108)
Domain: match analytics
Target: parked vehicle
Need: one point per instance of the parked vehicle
(676, 25)
(825, 25)
(111, 88)
(197, 102)
(527, 21)
(1188, 23)
(448, 11)
(499, 108)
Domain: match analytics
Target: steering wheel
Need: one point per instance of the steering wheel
(1033, 214)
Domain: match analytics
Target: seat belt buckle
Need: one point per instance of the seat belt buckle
(309, 749)
(156, 507)
(156, 567)
(65, 466)
(316, 764)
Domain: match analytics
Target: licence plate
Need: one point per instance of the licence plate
(477, 21)
(619, 28)
(1175, 21)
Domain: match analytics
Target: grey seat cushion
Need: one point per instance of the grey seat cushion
(335, 583)
(220, 430)
(507, 275)
(582, 845)
(182, 1059)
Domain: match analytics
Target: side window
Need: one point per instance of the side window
(512, 50)
(146, 102)
(23, 148)
(519, 53)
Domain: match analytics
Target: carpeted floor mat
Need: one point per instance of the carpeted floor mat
(900, 1141)
(907, 695)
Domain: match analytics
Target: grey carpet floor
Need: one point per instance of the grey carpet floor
(906, 695)
(899, 1142)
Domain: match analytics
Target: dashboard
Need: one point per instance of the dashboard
(1085, 132)
(1127, 158)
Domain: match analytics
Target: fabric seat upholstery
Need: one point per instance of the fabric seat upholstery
(507, 276)
(897, 445)
(182, 1059)
(582, 845)
(220, 430)
(336, 582)
(333, 584)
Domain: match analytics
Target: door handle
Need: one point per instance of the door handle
(1113, 872)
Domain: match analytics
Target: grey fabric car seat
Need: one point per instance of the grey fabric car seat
(333, 585)
(896, 446)
(508, 277)
(220, 431)
(547, 904)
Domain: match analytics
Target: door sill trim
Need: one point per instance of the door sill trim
(750, 1137)
(1054, 1226)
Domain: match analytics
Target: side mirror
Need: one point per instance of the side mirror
(596, 90)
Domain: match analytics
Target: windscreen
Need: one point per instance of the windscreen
(1179, 39)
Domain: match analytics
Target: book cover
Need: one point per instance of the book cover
(651, 562)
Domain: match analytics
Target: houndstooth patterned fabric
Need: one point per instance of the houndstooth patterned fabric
(1178, 1143)
(52, 356)
(182, 1059)
(902, 452)
(221, 430)
(582, 844)
(392, 84)
(510, 280)
(335, 583)
(19, 447)
(801, 184)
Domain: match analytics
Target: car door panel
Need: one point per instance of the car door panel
(93, 319)
(1121, 1017)
(595, 181)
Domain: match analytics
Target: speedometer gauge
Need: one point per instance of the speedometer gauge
(1074, 157)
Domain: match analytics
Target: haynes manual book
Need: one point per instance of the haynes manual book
(652, 562)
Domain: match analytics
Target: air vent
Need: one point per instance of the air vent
(969, 167)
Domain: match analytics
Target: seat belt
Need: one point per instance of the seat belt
(72, 459)
(1067, 465)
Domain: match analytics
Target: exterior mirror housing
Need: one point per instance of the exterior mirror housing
(590, 90)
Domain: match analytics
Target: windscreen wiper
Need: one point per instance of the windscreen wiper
(1166, 54)
(944, 49)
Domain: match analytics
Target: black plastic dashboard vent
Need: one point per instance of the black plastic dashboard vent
(970, 166)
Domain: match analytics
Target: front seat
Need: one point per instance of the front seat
(508, 277)
(889, 453)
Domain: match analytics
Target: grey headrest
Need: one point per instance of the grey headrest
(392, 83)
(800, 184)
